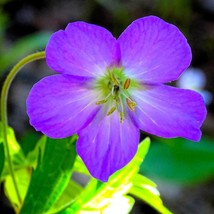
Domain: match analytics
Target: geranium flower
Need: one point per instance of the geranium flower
(108, 89)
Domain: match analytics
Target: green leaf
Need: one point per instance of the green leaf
(145, 190)
(22, 47)
(140, 180)
(22, 180)
(19, 162)
(2, 158)
(98, 195)
(180, 161)
(13, 144)
(68, 196)
(121, 205)
(36, 155)
(22, 171)
(16, 152)
(80, 167)
(51, 176)
(28, 141)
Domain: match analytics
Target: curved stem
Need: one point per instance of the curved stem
(4, 95)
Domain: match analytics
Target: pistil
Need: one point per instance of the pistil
(117, 86)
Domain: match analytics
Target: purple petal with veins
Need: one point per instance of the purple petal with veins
(108, 89)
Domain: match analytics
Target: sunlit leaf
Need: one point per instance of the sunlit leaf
(72, 190)
(122, 205)
(139, 180)
(98, 196)
(149, 194)
(51, 176)
(22, 180)
(13, 144)
(16, 152)
(117, 205)
(180, 161)
(36, 155)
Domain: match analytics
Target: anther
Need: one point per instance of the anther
(114, 80)
(101, 102)
(104, 100)
(111, 110)
(121, 117)
(131, 104)
(117, 100)
(127, 84)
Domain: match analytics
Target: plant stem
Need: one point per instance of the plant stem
(4, 96)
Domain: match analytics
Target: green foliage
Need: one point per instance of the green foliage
(22, 180)
(180, 161)
(98, 195)
(51, 176)
(111, 197)
(120, 13)
(146, 190)
(22, 47)
(28, 141)
(43, 177)
(19, 163)
(16, 152)
(172, 10)
(71, 192)
(2, 158)
(3, 24)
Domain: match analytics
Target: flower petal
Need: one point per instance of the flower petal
(154, 51)
(106, 145)
(81, 49)
(169, 112)
(59, 106)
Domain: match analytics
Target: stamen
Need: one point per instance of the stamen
(117, 100)
(111, 110)
(121, 105)
(104, 100)
(114, 79)
(120, 109)
(121, 117)
(101, 102)
(116, 87)
(131, 104)
(127, 84)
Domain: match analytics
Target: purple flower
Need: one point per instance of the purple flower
(108, 89)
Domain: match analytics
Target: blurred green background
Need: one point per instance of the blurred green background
(183, 170)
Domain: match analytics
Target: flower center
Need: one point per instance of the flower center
(115, 88)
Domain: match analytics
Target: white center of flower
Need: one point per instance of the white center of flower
(115, 87)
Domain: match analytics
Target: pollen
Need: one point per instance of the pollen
(131, 104)
(111, 110)
(101, 102)
(114, 79)
(127, 84)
